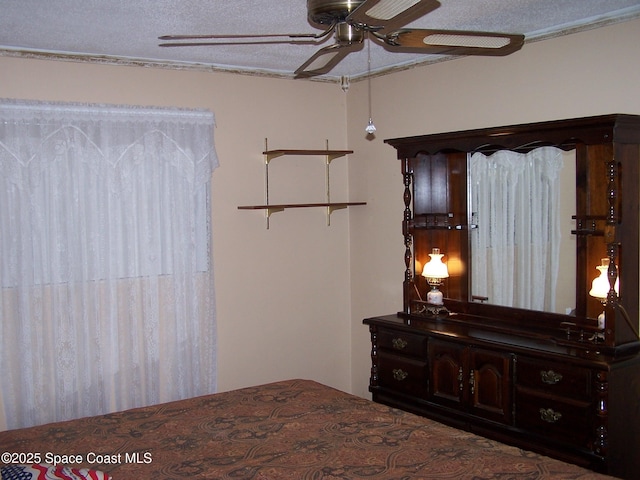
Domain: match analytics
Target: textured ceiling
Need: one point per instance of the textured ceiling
(126, 31)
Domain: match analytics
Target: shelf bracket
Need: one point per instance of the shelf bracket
(267, 159)
(270, 211)
(331, 209)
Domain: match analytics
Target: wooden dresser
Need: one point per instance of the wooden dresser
(553, 383)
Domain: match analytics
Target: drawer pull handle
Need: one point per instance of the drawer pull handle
(399, 343)
(399, 374)
(549, 415)
(550, 377)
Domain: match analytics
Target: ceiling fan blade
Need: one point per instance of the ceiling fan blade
(241, 42)
(325, 59)
(292, 38)
(390, 14)
(172, 38)
(452, 42)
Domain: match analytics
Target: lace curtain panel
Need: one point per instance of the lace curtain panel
(107, 284)
(514, 200)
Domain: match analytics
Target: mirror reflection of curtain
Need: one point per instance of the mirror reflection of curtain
(515, 248)
(107, 285)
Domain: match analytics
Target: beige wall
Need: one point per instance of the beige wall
(291, 299)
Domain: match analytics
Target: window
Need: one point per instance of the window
(107, 285)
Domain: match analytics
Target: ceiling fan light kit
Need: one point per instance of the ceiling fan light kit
(350, 20)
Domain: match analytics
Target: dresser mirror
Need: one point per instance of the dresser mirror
(523, 252)
(594, 160)
(518, 234)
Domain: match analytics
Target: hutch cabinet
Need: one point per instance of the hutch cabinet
(565, 385)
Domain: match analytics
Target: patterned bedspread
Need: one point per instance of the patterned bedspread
(295, 429)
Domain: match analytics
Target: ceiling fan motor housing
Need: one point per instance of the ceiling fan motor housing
(327, 12)
(347, 34)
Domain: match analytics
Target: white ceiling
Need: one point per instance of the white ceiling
(126, 31)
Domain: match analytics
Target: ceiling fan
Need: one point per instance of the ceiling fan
(379, 20)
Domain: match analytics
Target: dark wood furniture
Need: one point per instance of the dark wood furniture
(541, 381)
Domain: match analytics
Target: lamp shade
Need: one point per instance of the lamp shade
(600, 285)
(435, 268)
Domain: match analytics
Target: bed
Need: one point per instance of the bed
(294, 429)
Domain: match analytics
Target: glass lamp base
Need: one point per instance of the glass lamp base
(435, 297)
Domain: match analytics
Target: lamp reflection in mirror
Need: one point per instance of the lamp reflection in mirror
(600, 288)
(434, 271)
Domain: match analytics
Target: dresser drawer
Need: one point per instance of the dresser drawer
(402, 374)
(554, 378)
(566, 421)
(402, 342)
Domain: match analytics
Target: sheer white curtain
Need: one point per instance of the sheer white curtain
(107, 286)
(516, 245)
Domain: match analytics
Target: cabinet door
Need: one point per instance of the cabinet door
(471, 379)
(447, 373)
(490, 385)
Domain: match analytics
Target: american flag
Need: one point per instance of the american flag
(48, 472)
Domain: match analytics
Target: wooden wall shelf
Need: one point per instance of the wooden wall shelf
(284, 206)
(329, 156)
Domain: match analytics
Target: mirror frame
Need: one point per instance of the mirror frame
(607, 224)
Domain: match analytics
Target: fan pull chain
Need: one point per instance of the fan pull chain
(370, 128)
